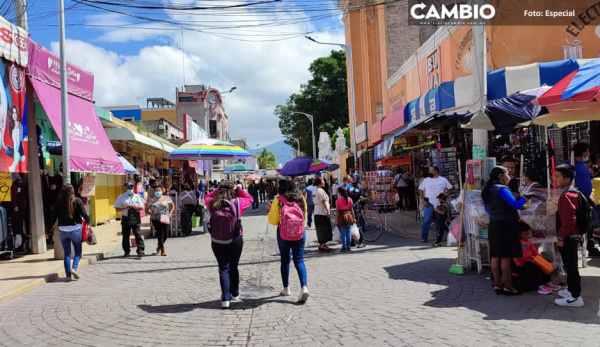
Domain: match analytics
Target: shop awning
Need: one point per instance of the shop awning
(90, 149)
(122, 134)
(392, 122)
(382, 150)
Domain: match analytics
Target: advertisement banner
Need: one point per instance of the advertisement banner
(6, 182)
(13, 43)
(13, 122)
(45, 66)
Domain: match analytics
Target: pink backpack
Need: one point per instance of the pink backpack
(291, 226)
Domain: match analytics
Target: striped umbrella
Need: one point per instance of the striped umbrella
(238, 168)
(209, 149)
(319, 165)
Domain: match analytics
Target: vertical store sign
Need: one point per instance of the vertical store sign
(13, 122)
(433, 70)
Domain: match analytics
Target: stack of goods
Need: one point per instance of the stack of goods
(380, 187)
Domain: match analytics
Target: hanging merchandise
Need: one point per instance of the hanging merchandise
(379, 185)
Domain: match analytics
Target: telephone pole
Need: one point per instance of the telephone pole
(34, 183)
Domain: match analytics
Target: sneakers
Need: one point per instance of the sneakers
(361, 245)
(235, 297)
(74, 274)
(552, 286)
(285, 292)
(569, 302)
(437, 244)
(224, 304)
(303, 295)
(544, 290)
(564, 293)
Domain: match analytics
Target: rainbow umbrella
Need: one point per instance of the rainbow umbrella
(208, 149)
(319, 165)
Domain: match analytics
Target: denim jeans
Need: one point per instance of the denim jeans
(427, 219)
(297, 249)
(255, 202)
(346, 236)
(228, 258)
(310, 209)
(66, 238)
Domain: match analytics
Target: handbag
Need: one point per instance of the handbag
(91, 238)
(165, 219)
(85, 230)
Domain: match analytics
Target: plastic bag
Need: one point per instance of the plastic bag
(336, 235)
(354, 231)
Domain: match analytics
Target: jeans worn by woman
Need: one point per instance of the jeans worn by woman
(228, 258)
(66, 238)
(297, 250)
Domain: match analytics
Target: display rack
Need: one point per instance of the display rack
(379, 185)
(445, 159)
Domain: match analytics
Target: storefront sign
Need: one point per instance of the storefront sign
(433, 70)
(13, 43)
(361, 132)
(88, 187)
(5, 184)
(13, 125)
(45, 66)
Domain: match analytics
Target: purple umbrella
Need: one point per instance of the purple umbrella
(298, 166)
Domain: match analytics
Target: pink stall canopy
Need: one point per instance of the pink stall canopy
(90, 148)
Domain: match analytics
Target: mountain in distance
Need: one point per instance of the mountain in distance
(283, 152)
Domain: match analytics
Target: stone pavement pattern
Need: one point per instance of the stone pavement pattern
(395, 292)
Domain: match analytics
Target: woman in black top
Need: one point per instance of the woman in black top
(70, 212)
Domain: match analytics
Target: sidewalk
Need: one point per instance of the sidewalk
(22, 274)
(404, 224)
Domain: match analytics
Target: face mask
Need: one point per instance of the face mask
(158, 194)
(130, 191)
(585, 159)
(522, 181)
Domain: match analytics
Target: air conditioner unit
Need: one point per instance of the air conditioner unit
(161, 126)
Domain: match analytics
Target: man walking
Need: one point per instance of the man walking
(262, 190)
(401, 184)
(253, 191)
(130, 204)
(310, 205)
(430, 189)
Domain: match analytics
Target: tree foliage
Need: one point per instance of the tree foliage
(325, 97)
(266, 159)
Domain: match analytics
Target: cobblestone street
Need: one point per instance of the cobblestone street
(395, 292)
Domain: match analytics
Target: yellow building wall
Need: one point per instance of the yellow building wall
(169, 114)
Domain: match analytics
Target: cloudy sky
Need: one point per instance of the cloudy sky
(261, 50)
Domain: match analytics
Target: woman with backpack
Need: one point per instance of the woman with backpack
(226, 205)
(288, 212)
(70, 212)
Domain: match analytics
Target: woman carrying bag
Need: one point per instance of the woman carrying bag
(288, 212)
(344, 217)
(160, 208)
(322, 215)
(226, 206)
(70, 212)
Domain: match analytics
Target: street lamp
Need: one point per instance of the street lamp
(348, 50)
(312, 122)
(230, 90)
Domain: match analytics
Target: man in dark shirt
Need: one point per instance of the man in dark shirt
(511, 165)
(356, 192)
(253, 190)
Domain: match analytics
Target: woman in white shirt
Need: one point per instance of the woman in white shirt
(322, 215)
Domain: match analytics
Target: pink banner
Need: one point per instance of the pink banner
(45, 67)
(90, 148)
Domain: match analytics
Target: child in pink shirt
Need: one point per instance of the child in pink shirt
(530, 275)
(344, 217)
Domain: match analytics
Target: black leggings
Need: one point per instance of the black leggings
(162, 232)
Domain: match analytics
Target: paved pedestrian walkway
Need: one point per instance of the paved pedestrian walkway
(395, 292)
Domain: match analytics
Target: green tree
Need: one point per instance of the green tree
(266, 159)
(325, 97)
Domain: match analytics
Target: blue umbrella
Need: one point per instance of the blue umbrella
(514, 109)
(130, 169)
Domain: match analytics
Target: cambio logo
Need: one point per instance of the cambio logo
(462, 11)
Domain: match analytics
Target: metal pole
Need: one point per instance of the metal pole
(64, 96)
(21, 13)
(353, 118)
(312, 121)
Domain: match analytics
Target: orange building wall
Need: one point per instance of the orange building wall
(154, 114)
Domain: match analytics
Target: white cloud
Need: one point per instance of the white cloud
(265, 73)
